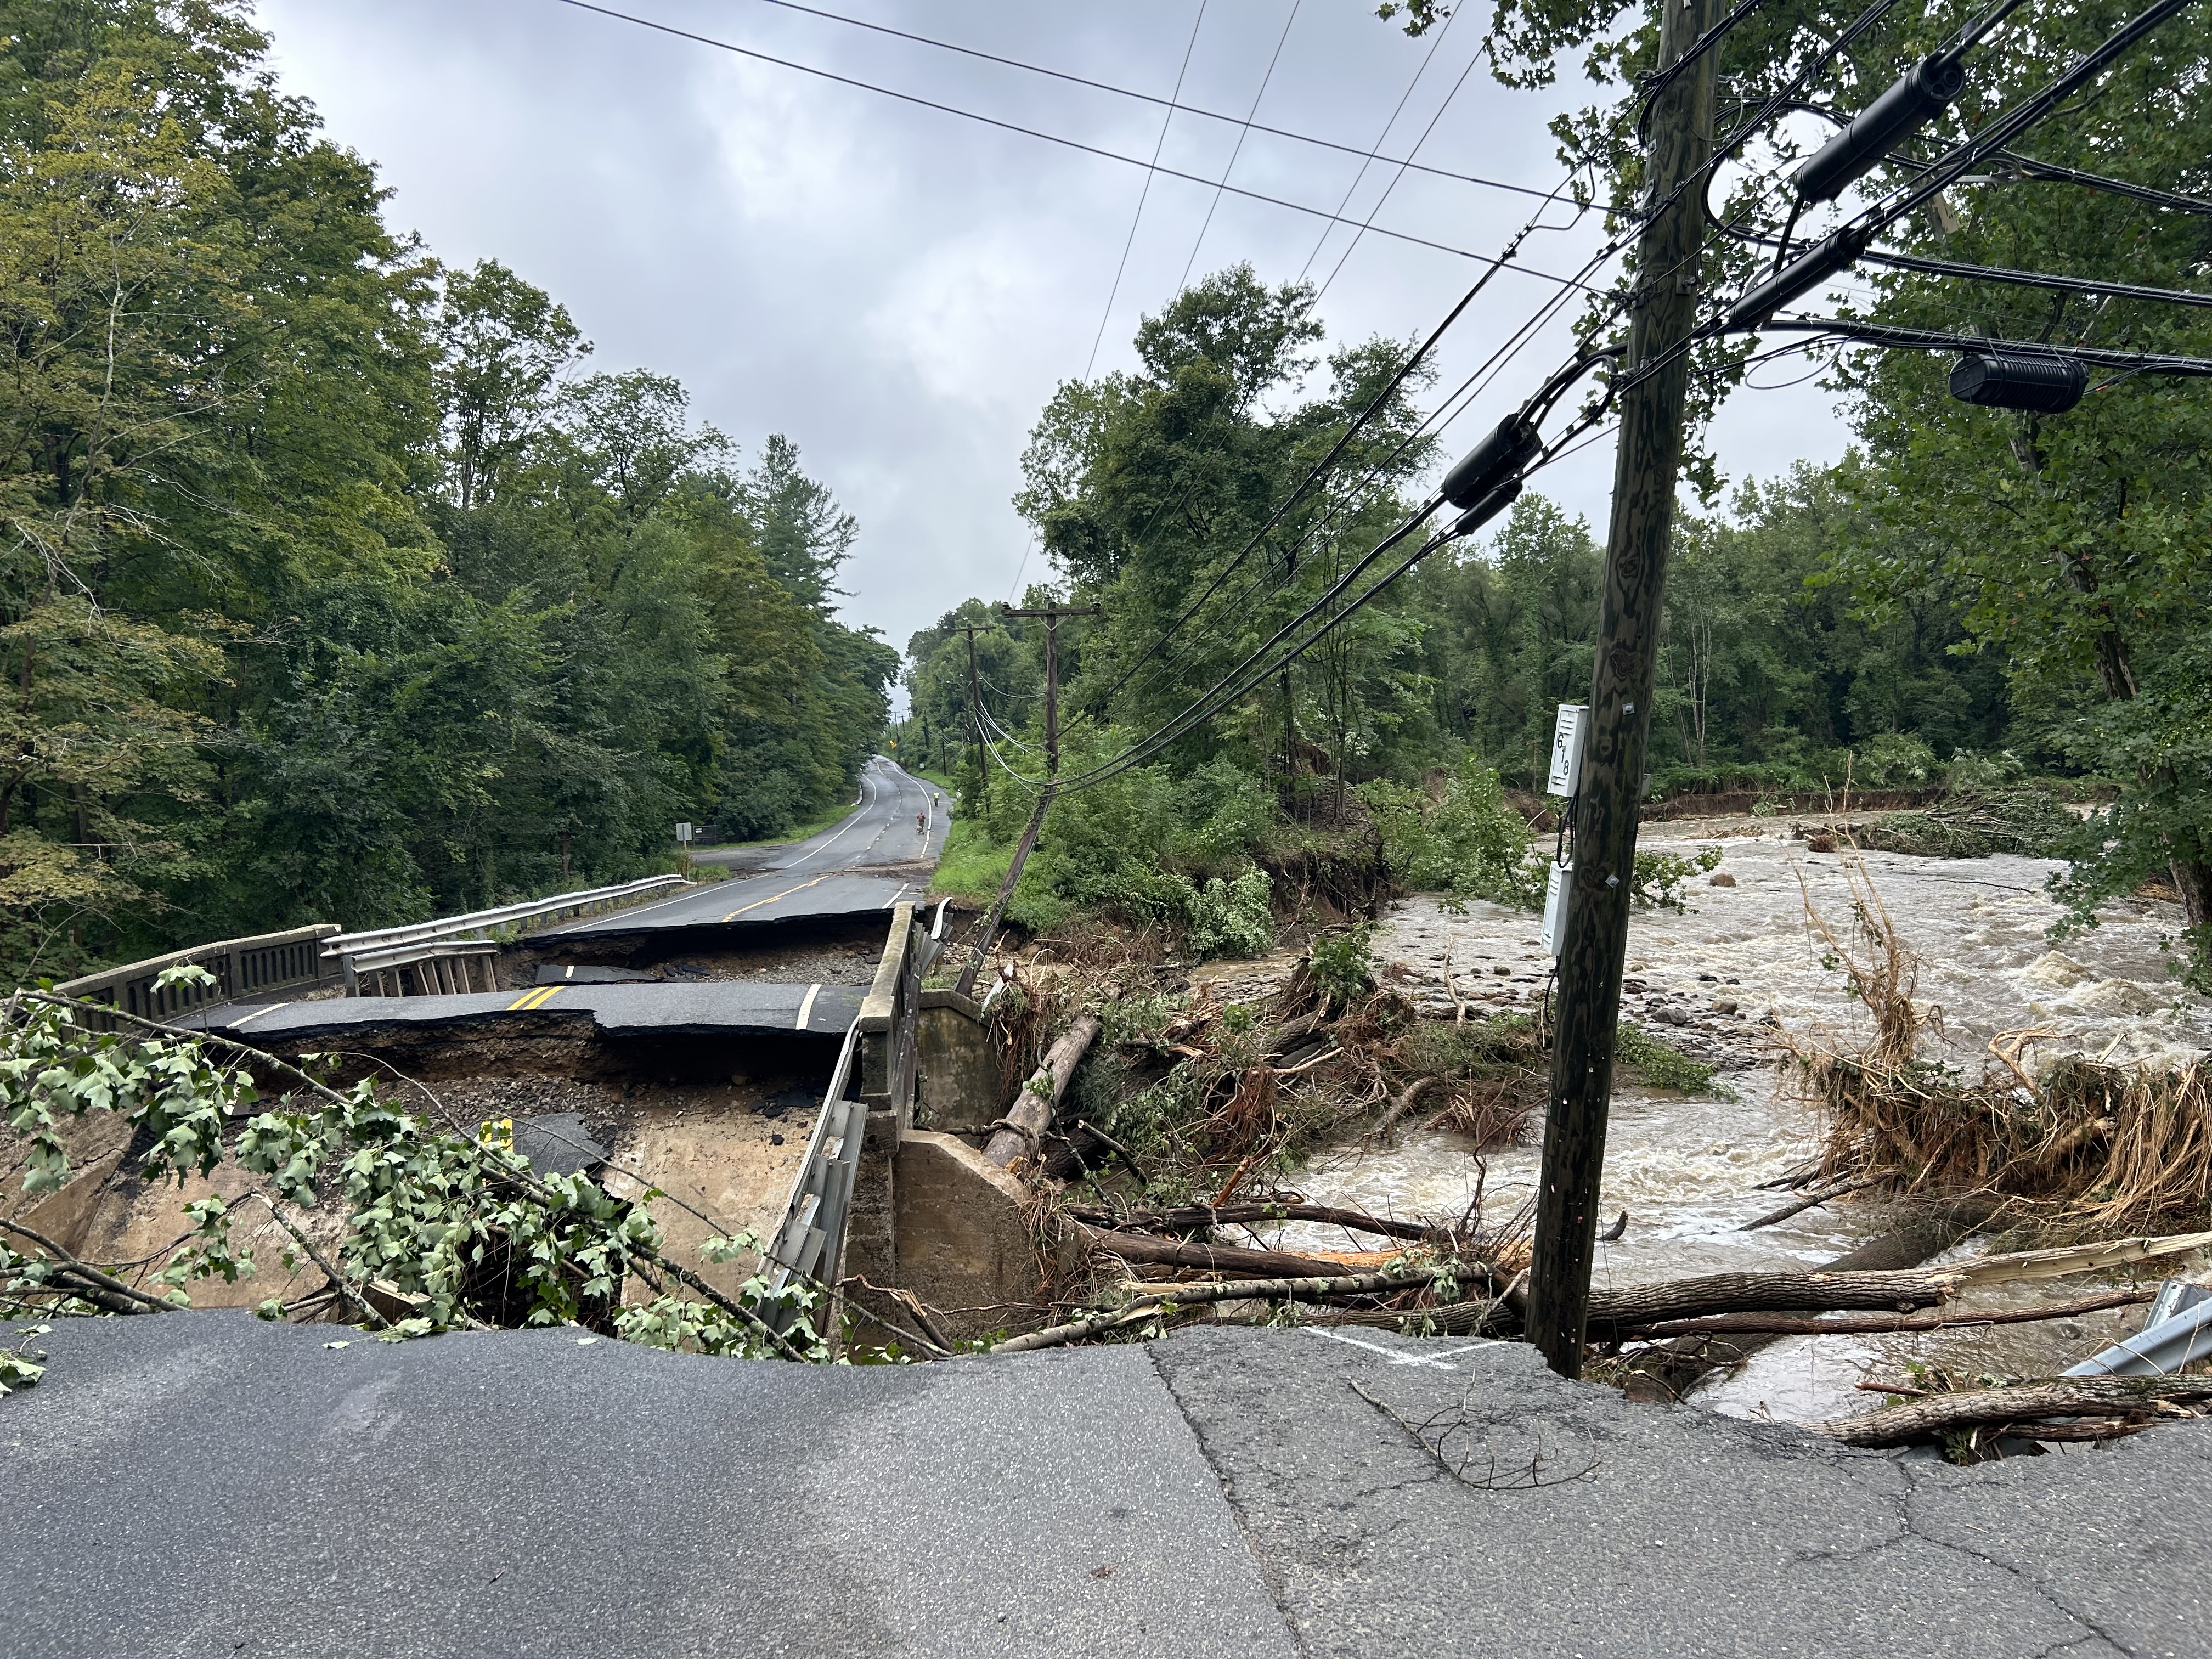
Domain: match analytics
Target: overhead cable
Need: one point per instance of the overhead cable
(1172, 104)
(1923, 339)
(1243, 133)
(1145, 195)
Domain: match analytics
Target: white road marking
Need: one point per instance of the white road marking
(806, 1007)
(1396, 1356)
(842, 829)
(241, 1025)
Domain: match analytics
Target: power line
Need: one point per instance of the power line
(1923, 340)
(1383, 200)
(1145, 195)
(1075, 144)
(1396, 110)
(1172, 104)
(1243, 133)
(2048, 281)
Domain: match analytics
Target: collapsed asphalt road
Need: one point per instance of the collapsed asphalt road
(712, 1007)
(208, 1484)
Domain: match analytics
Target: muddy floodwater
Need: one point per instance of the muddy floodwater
(1725, 981)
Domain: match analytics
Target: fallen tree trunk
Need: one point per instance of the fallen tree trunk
(1915, 1235)
(1762, 1324)
(1152, 1297)
(1614, 1312)
(1210, 1258)
(1185, 1218)
(2015, 1408)
(1021, 1132)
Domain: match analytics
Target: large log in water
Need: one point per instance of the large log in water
(1612, 1312)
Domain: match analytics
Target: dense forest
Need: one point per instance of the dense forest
(1973, 596)
(335, 587)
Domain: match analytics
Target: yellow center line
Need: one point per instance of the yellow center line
(536, 996)
(785, 894)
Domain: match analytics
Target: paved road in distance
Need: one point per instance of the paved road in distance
(901, 820)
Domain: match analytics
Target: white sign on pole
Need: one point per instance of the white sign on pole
(1556, 888)
(1567, 750)
(684, 833)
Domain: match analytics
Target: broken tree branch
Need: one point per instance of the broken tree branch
(1762, 1324)
(1188, 1217)
(1151, 1298)
(1817, 1199)
(98, 1287)
(2017, 1406)
(1401, 1103)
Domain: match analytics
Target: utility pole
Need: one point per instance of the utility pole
(1052, 614)
(1664, 315)
(1022, 848)
(975, 712)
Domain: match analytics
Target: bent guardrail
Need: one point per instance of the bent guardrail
(809, 1243)
(289, 961)
(383, 946)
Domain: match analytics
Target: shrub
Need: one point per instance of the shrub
(1344, 964)
(1469, 844)
(1660, 1065)
(1659, 876)
(1232, 918)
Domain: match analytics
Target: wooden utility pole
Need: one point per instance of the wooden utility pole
(1022, 848)
(975, 711)
(1052, 614)
(1664, 315)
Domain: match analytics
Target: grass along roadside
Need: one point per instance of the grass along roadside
(972, 865)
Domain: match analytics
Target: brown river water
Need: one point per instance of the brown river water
(1687, 1169)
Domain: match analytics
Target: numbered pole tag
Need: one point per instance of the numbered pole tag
(1557, 885)
(1567, 750)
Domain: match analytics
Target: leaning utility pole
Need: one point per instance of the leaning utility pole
(1052, 614)
(1662, 315)
(1024, 848)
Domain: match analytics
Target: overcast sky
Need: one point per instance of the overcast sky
(900, 290)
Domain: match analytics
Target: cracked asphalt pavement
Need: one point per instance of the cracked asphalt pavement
(207, 1484)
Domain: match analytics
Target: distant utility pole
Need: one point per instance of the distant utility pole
(975, 712)
(1664, 315)
(1052, 614)
(1027, 844)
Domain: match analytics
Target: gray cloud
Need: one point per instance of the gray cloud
(900, 290)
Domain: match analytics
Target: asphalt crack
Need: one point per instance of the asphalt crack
(1277, 1590)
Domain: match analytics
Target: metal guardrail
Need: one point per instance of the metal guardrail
(2165, 1343)
(381, 947)
(241, 967)
(810, 1241)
